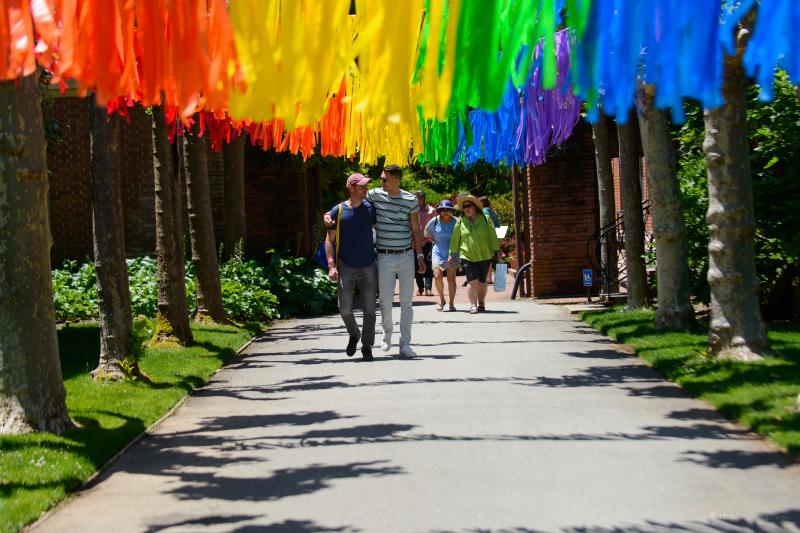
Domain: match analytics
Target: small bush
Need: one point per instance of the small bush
(245, 292)
(301, 287)
(144, 289)
(252, 291)
(75, 291)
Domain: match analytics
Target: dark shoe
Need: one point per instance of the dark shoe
(481, 308)
(351, 346)
(366, 352)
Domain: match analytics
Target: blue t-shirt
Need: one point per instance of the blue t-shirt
(441, 234)
(357, 248)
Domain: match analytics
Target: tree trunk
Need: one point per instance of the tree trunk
(631, 192)
(736, 329)
(201, 228)
(32, 394)
(172, 321)
(605, 192)
(518, 237)
(235, 221)
(113, 293)
(674, 309)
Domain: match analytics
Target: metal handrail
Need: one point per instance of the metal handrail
(594, 249)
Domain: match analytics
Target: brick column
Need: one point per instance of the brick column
(563, 215)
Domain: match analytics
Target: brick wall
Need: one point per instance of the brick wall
(282, 199)
(69, 166)
(564, 214)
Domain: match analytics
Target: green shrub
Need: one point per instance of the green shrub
(504, 205)
(245, 291)
(302, 288)
(75, 291)
(144, 289)
(252, 291)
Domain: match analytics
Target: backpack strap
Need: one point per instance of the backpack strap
(338, 233)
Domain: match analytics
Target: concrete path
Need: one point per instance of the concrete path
(520, 419)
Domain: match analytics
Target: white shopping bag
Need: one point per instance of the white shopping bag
(500, 274)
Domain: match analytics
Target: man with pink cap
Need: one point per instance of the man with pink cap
(350, 251)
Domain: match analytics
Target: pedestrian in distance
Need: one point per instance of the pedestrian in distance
(440, 231)
(350, 251)
(426, 213)
(398, 242)
(474, 243)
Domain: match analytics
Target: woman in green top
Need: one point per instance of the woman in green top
(475, 242)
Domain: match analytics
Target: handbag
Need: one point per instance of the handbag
(500, 274)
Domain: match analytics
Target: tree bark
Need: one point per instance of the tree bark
(201, 228)
(674, 309)
(605, 191)
(113, 293)
(631, 192)
(172, 321)
(235, 220)
(518, 239)
(736, 330)
(32, 394)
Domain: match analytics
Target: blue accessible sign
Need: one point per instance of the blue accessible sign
(587, 277)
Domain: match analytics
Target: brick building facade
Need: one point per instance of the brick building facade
(282, 196)
(564, 213)
(562, 202)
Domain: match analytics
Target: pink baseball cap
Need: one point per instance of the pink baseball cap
(357, 179)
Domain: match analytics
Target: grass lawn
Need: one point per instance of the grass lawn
(760, 395)
(37, 470)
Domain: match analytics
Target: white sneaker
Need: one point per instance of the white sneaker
(406, 352)
(386, 345)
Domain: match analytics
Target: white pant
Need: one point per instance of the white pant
(401, 266)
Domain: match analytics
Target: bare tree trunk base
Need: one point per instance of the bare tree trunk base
(14, 422)
(206, 318)
(108, 372)
(680, 319)
(737, 352)
(164, 336)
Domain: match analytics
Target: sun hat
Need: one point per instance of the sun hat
(468, 198)
(445, 205)
(357, 179)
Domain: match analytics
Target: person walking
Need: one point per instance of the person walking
(492, 215)
(350, 251)
(475, 243)
(398, 241)
(426, 213)
(440, 230)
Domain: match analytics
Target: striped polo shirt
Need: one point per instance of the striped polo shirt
(393, 228)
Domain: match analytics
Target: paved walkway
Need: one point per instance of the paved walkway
(519, 420)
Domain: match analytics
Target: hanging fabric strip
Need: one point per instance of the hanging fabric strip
(775, 42)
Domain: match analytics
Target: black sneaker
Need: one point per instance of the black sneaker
(351, 346)
(366, 352)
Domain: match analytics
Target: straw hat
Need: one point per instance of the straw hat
(471, 199)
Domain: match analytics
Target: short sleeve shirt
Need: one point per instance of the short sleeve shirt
(393, 229)
(357, 248)
(441, 234)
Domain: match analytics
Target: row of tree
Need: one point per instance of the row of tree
(736, 328)
(32, 394)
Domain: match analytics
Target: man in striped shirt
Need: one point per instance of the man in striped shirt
(398, 239)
